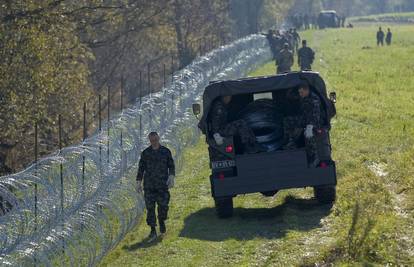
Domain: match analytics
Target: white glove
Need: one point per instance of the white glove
(171, 181)
(309, 131)
(138, 186)
(218, 138)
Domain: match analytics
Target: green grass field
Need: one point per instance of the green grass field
(404, 17)
(373, 140)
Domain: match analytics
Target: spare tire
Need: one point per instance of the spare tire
(266, 121)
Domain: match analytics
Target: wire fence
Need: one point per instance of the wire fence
(72, 207)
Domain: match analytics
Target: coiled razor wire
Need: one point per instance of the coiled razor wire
(73, 207)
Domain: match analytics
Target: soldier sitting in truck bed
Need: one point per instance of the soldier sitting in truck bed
(309, 122)
(221, 127)
(312, 121)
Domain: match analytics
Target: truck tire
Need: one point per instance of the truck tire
(224, 207)
(325, 194)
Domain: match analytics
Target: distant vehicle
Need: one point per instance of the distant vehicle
(235, 172)
(328, 19)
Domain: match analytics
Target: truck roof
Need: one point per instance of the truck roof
(328, 12)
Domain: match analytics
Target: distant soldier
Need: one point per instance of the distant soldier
(285, 40)
(380, 37)
(221, 127)
(296, 39)
(306, 21)
(290, 40)
(314, 22)
(280, 40)
(301, 21)
(271, 38)
(157, 169)
(311, 121)
(284, 60)
(306, 56)
(388, 39)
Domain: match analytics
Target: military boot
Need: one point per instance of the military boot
(153, 235)
(315, 163)
(163, 229)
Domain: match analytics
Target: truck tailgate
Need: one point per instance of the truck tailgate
(272, 171)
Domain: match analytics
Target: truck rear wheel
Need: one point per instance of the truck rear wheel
(224, 207)
(325, 194)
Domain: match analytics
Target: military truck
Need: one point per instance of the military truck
(234, 172)
(328, 19)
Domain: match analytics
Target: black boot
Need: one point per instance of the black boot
(153, 235)
(162, 227)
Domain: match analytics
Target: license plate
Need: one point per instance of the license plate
(223, 164)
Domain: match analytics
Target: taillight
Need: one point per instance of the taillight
(229, 149)
(221, 176)
(323, 165)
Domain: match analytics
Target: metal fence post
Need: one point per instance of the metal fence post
(108, 119)
(149, 79)
(100, 130)
(85, 133)
(62, 196)
(36, 153)
(122, 134)
(140, 89)
(172, 68)
(164, 95)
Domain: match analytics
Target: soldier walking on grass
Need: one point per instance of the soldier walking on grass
(284, 61)
(306, 56)
(296, 39)
(380, 37)
(157, 169)
(388, 39)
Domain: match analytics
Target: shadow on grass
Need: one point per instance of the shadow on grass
(143, 244)
(294, 214)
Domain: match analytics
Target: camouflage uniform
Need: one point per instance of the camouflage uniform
(154, 168)
(220, 124)
(388, 38)
(311, 115)
(284, 61)
(292, 123)
(292, 127)
(272, 43)
(296, 39)
(380, 38)
(306, 56)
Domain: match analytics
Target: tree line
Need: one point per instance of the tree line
(352, 7)
(56, 55)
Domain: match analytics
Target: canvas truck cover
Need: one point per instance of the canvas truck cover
(261, 85)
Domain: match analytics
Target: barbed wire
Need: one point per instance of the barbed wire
(72, 207)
